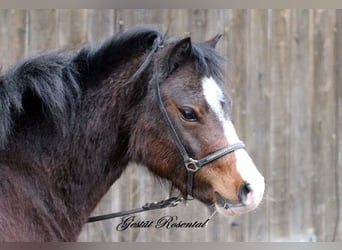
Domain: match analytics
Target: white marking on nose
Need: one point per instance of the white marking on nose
(244, 164)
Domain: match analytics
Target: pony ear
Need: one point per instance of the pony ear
(179, 53)
(213, 41)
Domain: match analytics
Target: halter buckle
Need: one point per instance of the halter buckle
(192, 165)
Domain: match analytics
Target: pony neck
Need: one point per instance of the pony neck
(70, 174)
(97, 153)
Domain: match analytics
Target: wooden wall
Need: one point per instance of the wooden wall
(284, 74)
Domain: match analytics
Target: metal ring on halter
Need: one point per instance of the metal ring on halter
(192, 165)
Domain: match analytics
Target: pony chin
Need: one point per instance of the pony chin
(231, 211)
(234, 210)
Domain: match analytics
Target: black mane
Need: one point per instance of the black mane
(207, 60)
(51, 84)
(45, 84)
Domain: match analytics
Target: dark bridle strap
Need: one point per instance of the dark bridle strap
(218, 154)
(167, 119)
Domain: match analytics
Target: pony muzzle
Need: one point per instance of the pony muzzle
(225, 203)
(244, 190)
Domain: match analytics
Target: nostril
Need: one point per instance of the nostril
(244, 190)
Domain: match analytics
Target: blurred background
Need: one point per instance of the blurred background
(284, 74)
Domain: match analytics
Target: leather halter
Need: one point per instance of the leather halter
(191, 165)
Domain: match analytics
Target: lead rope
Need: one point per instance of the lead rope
(171, 202)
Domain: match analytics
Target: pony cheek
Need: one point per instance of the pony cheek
(206, 182)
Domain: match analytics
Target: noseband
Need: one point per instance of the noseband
(191, 165)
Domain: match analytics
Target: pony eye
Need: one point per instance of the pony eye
(189, 114)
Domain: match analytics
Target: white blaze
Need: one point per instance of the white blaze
(244, 164)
